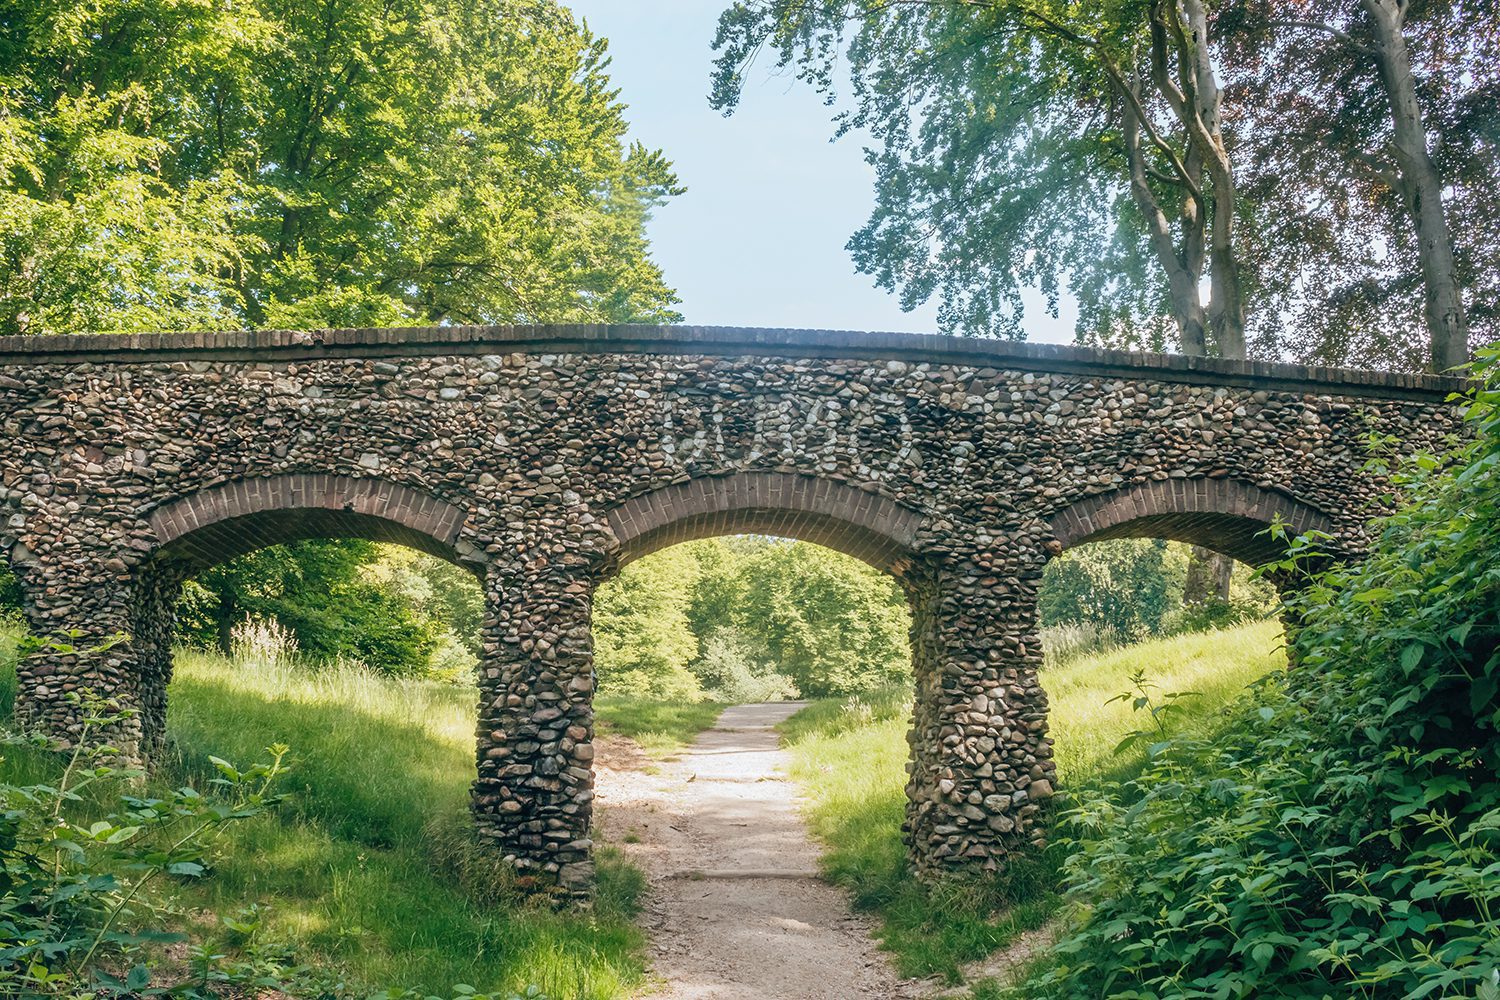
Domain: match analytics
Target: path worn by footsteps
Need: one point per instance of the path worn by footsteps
(736, 911)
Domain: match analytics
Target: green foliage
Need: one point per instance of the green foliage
(82, 852)
(175, 164)
(10, 657)
(1127, 589)
(392, 609)
(829, 622)
(849, 755)
(643, 641)
(736, 669)
(10, 591)
(1125, 586)
(749, 618)
(1342, 837)
(992, 171)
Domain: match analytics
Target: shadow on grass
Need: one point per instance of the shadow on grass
(363, 776)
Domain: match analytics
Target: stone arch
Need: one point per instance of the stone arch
(1227, 515)
(535, 790)
(857, 522)
(222, 522)
(219, 523)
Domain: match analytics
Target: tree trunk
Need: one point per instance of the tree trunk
(224, 622)
(1200, 110)
(1421, 189)
(1182, 279)
(1208, 575)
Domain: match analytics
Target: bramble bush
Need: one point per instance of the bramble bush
(80, 854)
(1341, 836)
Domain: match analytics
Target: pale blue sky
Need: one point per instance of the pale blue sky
(758, 240)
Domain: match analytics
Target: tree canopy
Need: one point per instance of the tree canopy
(177, 164)
(1197, 174)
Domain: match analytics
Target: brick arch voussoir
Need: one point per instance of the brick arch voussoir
(1224, 514)
(222, 522)
(857, 522)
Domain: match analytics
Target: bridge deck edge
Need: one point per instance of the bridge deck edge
(273, 346)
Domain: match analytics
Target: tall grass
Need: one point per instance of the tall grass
(10, 638)
(849, 757)
(369, 869)
(661, 728)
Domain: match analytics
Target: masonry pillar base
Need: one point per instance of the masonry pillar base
(982, 772)
(106, 634)
(533, 798)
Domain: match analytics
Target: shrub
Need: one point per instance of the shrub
(1206, 616)
(79, 854)
(734, 669)
(10, 592)
(1342, 837)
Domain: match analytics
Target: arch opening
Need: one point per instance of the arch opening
(856, 522)
(1140, 633)
(725, 588)
(286, 571)
(1228, 516)
(233, 519)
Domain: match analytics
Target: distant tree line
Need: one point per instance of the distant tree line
(741, 618)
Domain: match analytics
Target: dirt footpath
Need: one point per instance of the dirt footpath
(735, 910)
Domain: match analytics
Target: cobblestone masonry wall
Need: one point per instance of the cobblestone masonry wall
(544, 458)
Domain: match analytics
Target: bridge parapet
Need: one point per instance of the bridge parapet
(273, 346)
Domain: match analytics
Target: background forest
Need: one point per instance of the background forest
(732, 619)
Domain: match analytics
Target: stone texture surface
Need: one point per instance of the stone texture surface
(542, 459)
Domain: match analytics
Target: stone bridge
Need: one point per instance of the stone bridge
(543, 459)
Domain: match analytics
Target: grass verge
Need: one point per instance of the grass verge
(369, 870)
(661, 728)
(849, 757)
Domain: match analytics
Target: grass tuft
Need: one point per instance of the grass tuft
(661, 728)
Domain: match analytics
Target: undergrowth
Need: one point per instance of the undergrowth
(1341, 837)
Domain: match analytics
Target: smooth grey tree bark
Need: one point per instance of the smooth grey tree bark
(1418, 182)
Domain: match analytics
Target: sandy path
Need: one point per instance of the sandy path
(735, 910)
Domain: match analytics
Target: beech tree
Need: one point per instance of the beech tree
(185, 163)
(1372, 126)
(1030, 142)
